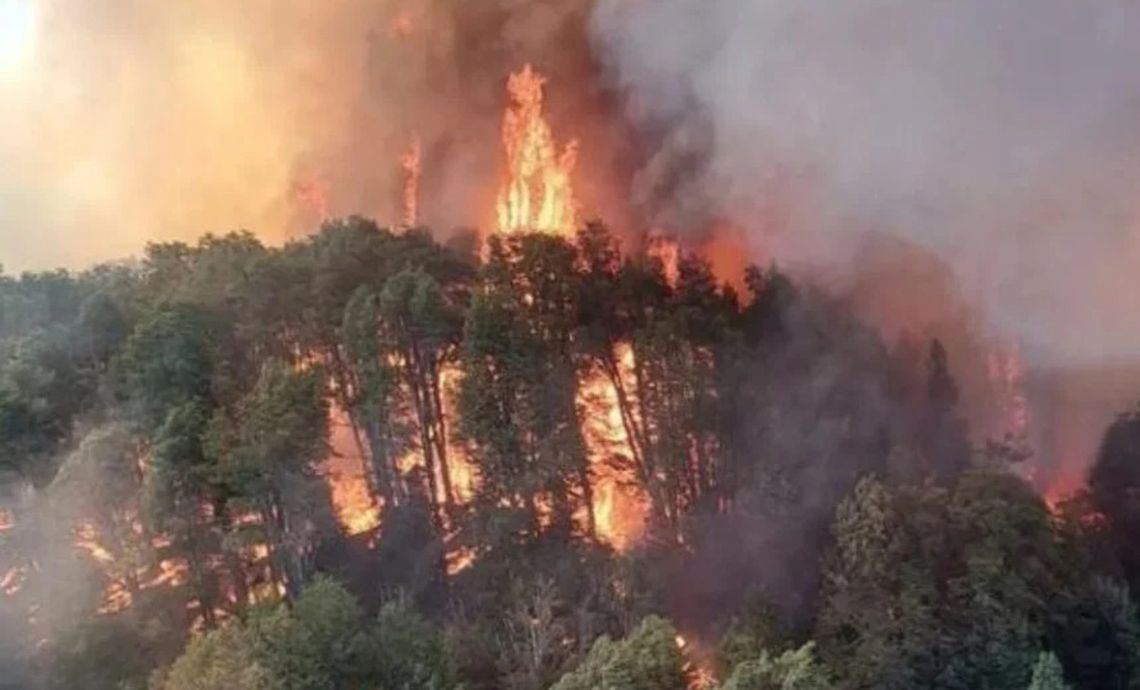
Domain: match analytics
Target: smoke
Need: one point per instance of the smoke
(129, 122)
(1001, 137)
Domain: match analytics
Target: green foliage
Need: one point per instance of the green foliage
(1096, 633)
(222, 659)
(408, 653)
(748, 635)
(796, 669)
(1047, 674)
(167, 362)
(323, 643)
(954, 594)
(318, 645)
(517, 396)
(647, 659)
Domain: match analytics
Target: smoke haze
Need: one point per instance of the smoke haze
(128, 122)
(999, 136)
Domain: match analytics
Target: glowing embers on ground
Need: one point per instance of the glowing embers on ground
(620, 506)
(536, 194)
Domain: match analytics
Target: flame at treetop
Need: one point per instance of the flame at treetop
(410, 162)
(537, 194)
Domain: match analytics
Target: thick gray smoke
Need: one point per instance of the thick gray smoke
(1003, 137)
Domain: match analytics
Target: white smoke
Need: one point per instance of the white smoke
(1002, 136)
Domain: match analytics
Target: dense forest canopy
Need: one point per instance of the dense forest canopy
(814, 512)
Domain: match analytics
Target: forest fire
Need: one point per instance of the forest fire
(729, 396)
(537, 195)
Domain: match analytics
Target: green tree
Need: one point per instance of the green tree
(517, 396)
(940, 589)
(1047, 674)
(796, 669)
(407, 652)
(266, 452)
(319, 644)
(1114, 488)
(647, 659)
(1096, 633)
(221, 659)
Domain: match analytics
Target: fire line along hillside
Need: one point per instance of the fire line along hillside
(367, 459)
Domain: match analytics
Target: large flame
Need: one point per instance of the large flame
(537, 195)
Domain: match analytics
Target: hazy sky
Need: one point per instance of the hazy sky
(128, 120)
(1002, 136)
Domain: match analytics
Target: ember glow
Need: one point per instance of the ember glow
(537, 194)
(410, 162)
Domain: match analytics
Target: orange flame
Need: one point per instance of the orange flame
(619, 508)
(668, 252)
(410, 162)
(697, 665)
(356, 509)
(537, 195)
(86, 538)
(463, 477)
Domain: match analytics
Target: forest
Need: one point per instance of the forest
(814, 511)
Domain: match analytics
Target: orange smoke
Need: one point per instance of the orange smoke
(537, 194)
(312, 197)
